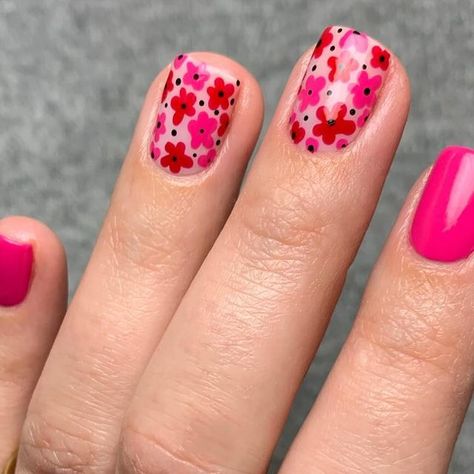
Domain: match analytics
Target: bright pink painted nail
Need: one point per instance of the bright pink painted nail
(443, 227)
(193, 117)
(339, 90)
(16, 263)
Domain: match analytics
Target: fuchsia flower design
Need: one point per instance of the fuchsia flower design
(196, 76)
(160, 128)
(201, 130)
(179, 60)
(365, 90)
(312, 145)
(355, 39)
(309, 93)
(207, 159)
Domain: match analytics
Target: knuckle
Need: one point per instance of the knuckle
(49, 448)
(141, 453)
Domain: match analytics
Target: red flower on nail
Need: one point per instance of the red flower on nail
(220, 94)
(224, 123)
(324, 41)
(176, 157)
(380, 58)
(297, 132)
(333, 123)
(183, 105)
(169, 86)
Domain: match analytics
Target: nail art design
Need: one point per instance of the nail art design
(443, 226)
(194, 115)
(339, 90)
(16, 262)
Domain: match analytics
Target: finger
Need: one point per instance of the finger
(33, 292)
(218, 390)
(161, 223)
(396, 398)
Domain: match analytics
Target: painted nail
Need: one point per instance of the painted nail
(16, 263)
(443, 227)
(339, 90)
(194, 115)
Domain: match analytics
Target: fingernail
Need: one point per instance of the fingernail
(16, 263)
(194, 115)
(443, 227)
(339, 90)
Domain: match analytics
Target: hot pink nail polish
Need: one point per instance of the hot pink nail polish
(193, 117)
(16, 263)
(339, 90)
(443, 227)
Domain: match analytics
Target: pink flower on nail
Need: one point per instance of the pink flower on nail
(201, 130)
(312, 145)
(309, 93)
(365, 90)
(355, 39)
(342, 67)
(155, 152)
(179, 60)
(160, 128)
(205, 160)
(196, 76)
(342, 143)
(363, 118)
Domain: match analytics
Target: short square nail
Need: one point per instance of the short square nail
(16, 263)
(194, 115)
(339, 90)
(443, 226)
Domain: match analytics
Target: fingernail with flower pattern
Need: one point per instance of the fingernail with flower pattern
(339, 90)
(193, 117)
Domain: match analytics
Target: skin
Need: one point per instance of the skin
(199, 313)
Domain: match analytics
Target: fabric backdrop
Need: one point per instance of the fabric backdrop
(73, 76)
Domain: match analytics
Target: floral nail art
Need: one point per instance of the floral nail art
(194, 115)
(339, 90)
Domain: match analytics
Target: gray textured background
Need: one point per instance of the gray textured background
(73, 75)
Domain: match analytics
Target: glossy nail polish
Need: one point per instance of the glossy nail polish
(339, 90)
(16, 263)
(443, 226)
(194, 115)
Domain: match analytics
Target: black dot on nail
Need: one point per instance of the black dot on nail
(382, 59)
(314, 68)
(232, 101)
(201, 131)
(329, 92)
(196, 77)
(174, 133)
(175, 159)
(367, 91)
(216, 112)
(238, 83)
(352, 112)
(293, 135)
(221, 94)
(178, 81)
(364, 67)
(158, 125)
(356, 32)
(339, 30)
(218, 142)
(183, 106)
(166, 105)
(305, 118)
(332, 48)
(366, 118)
(331, 122)
(194, 155)
(180, 56)
(152, 155)
(311, 148)
(310, 92)
(201, 103)
(343, 146)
